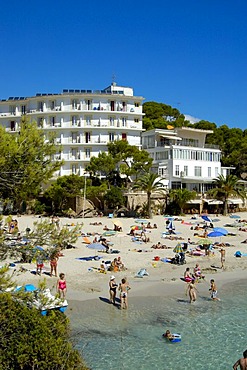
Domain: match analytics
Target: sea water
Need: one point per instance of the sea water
(214, 333)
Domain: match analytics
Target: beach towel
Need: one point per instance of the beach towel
(141, 273)
(86, 240)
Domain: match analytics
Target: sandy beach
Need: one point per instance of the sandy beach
(85, 282)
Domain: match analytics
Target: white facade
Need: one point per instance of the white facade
(84, 121)
(181, 157)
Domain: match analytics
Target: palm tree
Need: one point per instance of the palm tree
(181, 197)
(150, 183)
(226, 187)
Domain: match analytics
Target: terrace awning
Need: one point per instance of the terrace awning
(171, 137)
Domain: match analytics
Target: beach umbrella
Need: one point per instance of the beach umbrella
(140, 221)
(221, 230)
(235, 216)
(117, 223)
(205, 241)
(96, 246)
(170, 226)
(216, 234)
(206, 218)
(178, 248)
(136, 227)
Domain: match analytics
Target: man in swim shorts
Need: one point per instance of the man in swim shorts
(213, 290)
(242, 362)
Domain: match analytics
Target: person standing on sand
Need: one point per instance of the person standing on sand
(124, 288)
(213, 290)
(222, 257)
(61, 286)
(242, 362)
(113, 289)
(192, 291)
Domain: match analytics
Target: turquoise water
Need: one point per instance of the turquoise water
(214, 334)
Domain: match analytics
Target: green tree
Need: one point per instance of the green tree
(114, 198)
(31, 341)
(65, 188)
(181, 196)
(150, 183)
(43, 234)
(26, 161)
(225, 187)
(160, 115)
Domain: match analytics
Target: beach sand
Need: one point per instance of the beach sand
(86, 283)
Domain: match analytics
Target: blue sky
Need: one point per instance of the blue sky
(189, 54)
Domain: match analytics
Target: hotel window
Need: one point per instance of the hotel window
(124, 136)
(12, 109)
(112, 103)
(136, 120)
(89, 104)
(23, 109)
(124, 122)
(40, 105)
(74, 120)
(209, 172)
(40, 121)
(87, 153)
(74, 169)
(87, 137)
(75, 103)
(52, 121)
(111, 136)
(112, 121)
(88, 120)
(177, 170)
(216, 171)
(185, 170)
(75, 137)
(137, 105)
(198, 171)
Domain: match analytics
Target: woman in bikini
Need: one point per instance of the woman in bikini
(113, 289)
(192, 291)
(124, 287)
(53, 263)
(61, 286)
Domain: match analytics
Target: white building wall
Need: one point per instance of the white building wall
(84, 121)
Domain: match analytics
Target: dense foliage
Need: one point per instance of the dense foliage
(26, 161)
(29, 340)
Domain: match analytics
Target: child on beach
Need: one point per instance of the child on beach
(61, 286)
(124, 287)
(213, 290)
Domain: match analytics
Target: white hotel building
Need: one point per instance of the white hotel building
(84, 121)
(182, 159)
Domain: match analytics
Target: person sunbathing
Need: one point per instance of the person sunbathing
(187, 276)
(198, 272)
(120, 264)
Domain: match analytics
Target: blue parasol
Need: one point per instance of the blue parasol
(221, 230)
(140, 221)
(235, 216)
(215, 234)
(206, 218)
